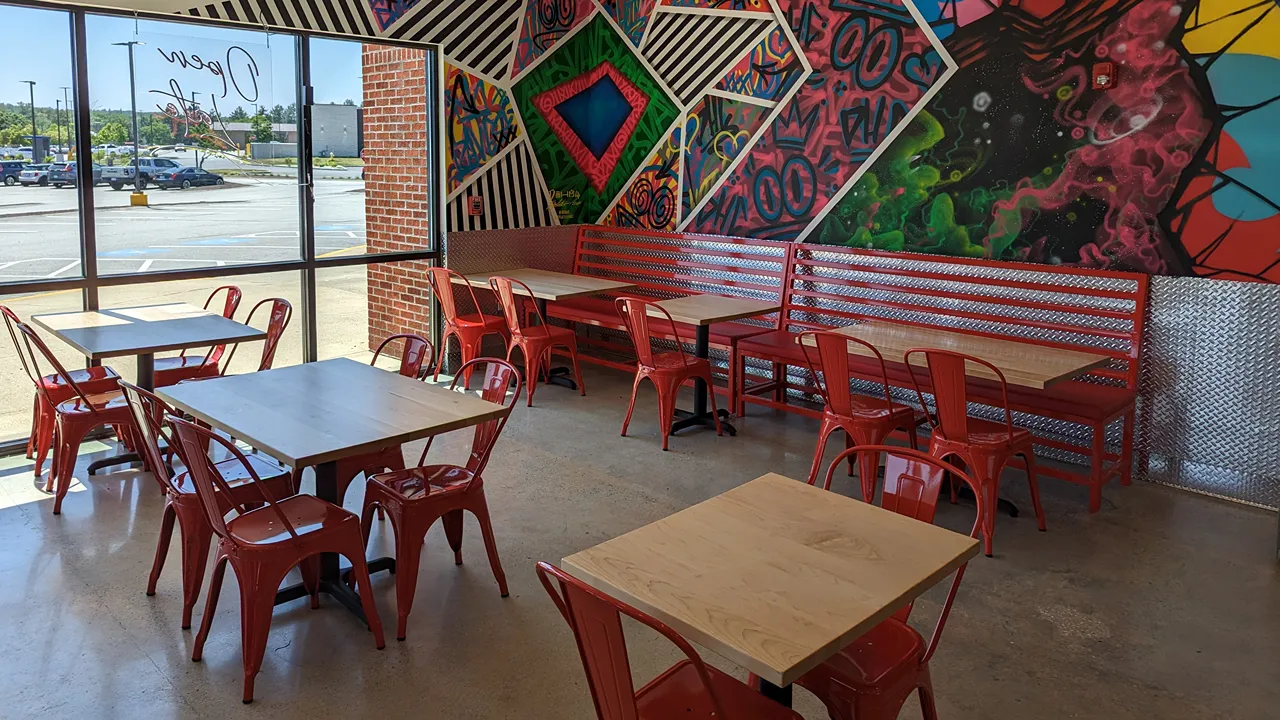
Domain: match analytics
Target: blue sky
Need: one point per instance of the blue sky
(37, 46)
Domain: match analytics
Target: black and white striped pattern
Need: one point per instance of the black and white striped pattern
(690, 52)
(478, 34)
(513, 197)
(350, 17)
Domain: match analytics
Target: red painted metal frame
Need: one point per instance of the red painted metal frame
(615, 258)
(798, 299)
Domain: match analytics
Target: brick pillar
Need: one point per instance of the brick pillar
(396, 182)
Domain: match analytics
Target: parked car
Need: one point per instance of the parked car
(11, 169)
(37, 174)
(186, 178)
(65, 174)
(120, 175)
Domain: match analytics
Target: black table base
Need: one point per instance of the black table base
(780, 695)
(146, 380)
(559, 375)
(701, 416)
(332, 580)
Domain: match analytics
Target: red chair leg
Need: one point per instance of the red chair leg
(452, 522)
(666, 407)
(1034, 485)
(711, 395)
(310, 569)
(480, 508)
(577, 373)
(408, 557)
(70, 437)
(162, 547)
(360, 569)
(532, 371)
(35, 427)
(259, 581)
(444, 351)
(824, 434)
(196, 538)
(1098, 471)
(210, 606)
(928, 708)
(635, 388)
(44, 441)
(1126, 450)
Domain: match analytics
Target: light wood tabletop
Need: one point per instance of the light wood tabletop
(776, 575)
(1023, 364)
(549, 285)
(707, 309)
(143, 330)
(318, 412)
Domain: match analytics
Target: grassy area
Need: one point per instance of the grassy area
(318, 162)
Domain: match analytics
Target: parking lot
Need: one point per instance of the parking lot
(247, 220)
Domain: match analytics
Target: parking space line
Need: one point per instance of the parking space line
(145, 266)
(63, 269)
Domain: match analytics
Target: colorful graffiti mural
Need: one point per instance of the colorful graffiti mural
(479, 124)
(963, 127)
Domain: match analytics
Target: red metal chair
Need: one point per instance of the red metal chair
(278, 317)
(689, 689)
(73, 418)
(865, 421)
(872, 677)
(415, 498)
(172, 370)
(181, 502)
(535, 341)
(92, 380)
(667, 370)
(469, 328)
(983, 446)
(415, 352)
(264, 544)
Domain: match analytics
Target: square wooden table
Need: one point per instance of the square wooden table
(775, 575)
(1023, 364)
(701, 311)
(550, 285)
(315, 414)
(142, 331)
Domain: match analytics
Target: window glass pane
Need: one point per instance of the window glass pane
(39, 210)
(360, 306)
(370, 142)
(18, 391)
(207, 97)
(254, 288)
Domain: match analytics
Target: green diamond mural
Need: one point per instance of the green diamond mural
(593, 113)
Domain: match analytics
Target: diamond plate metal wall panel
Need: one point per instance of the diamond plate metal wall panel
(545, 248)
(1210, 400)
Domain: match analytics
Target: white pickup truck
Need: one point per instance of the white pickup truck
(120, 175)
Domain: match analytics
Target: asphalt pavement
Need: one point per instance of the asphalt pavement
(248, 220)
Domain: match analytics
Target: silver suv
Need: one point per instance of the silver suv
(120, 175)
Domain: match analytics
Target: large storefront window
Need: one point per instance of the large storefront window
(210, 167)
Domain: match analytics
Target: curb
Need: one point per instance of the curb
(29, 213)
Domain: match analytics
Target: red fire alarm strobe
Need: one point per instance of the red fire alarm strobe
(475, 205)
(1104, 76)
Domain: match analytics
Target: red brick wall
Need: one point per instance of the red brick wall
(396, 199)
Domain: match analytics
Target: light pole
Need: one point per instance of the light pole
(31, 85)
(66, 103)
(133, 102)
(195, 107)
(57, 119)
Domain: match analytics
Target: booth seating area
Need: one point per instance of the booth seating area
(823, 287)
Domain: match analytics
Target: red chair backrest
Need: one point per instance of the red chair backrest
(415, 351)
(12, 321)
(596, 621)
(442, 281)
(635, 313)
(33, 344)
(277, 320)
(832, 351)
(504, 289)
(949, 382)
(229, 306)
(148, 410)
(495, 389)
(196, 445)
(912, 483)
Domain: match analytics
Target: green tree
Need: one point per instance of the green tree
(277, 114)
(156, 131)
(349, 102)
(261, 124)
(112, 133)
(291, 113)
(16, 134)
(238, 115)
(9, 118)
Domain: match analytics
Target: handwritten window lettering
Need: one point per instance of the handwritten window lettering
(235, 77)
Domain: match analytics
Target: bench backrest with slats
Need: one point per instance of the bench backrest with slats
(665, 265)
(1096, 310)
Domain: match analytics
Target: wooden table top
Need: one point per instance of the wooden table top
(313, 413)
(549, 285)
(708, 309)
(142, 330)
(1023, 364)
(776, 575)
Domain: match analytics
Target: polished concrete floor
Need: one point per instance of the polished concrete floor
(1163, 605)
